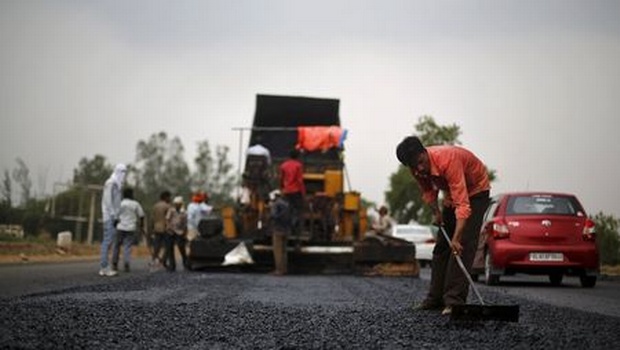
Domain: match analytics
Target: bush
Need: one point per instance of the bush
(607, 238)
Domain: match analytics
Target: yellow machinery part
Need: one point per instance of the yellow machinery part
(333, 182)
(228, 217)
(352, 201)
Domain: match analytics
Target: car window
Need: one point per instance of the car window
(543, 204)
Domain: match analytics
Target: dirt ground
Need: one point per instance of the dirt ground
(36, 252)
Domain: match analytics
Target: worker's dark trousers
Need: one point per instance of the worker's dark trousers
(296, 206)
(448, 284)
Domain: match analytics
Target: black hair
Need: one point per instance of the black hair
(165, 195)
(294, 153)
(128, 193)
(409, 149)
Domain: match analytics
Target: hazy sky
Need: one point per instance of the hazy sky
(534, 85)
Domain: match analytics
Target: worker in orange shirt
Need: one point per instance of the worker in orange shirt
(464, 181)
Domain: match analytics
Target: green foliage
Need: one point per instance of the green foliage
(21, 175)
(607, 238)
(160, 165)
(92, 172)
(7, 189)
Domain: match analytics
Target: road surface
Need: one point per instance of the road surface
(70, 306)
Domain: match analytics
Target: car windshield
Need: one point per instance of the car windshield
(543, 204)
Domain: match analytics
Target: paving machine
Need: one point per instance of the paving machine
(332, 236)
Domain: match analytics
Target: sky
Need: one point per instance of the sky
(533, 85)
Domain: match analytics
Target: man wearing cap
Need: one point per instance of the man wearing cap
(280, 227)
(464, 181)
(110, 207)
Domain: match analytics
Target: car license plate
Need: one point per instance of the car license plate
(546, 257)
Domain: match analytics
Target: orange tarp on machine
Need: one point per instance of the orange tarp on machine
(320, 138)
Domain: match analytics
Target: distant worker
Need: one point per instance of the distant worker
(196, 211)
(465, 184)
(110, 207)
(176, 219)
(383, 224)
(158, 214)
(281, 227)
(259, 150)
(293, 188)
(130, 225)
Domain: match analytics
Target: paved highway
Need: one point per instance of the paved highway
(64, 306)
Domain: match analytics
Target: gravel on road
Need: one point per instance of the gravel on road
(252, 311)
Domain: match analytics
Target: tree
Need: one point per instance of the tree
(7, 189)
(214, 175)
(160, 166)
(92, 171)
(404, 196)
(21, 175)
(607, 238)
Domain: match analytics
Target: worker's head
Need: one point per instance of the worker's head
(178, 201)
(118, 175)
(165, 196)
(411, 153)
(128, 193)
(383, 210)
(275, 194)
(198, 197)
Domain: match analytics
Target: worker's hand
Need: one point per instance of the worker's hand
(457, 247)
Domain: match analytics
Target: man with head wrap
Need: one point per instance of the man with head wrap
(110, 207)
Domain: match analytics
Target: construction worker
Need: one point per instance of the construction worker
(158, 215)
(383, 225)
(464, 181)
(281, 227)
(110, 206)
(293, 188)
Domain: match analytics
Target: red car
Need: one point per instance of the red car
(537, 233)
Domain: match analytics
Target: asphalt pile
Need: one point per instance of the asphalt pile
(251, 311)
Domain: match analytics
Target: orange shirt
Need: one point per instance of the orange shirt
(457, 172)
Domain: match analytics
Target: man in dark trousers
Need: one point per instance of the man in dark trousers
(280, 227)
(293, 188)
(464, 181)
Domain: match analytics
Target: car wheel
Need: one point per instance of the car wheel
(489, 278)
(556, 279)
(587, 281)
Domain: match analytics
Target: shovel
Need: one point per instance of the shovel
(484, 311)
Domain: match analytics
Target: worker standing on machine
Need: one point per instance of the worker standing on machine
(293, 188)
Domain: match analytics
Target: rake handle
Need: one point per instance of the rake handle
(462, 266)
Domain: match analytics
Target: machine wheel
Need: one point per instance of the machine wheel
(489, 278)
(587, 281)
(556, 279)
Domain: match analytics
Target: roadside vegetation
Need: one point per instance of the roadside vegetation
(160, 164)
